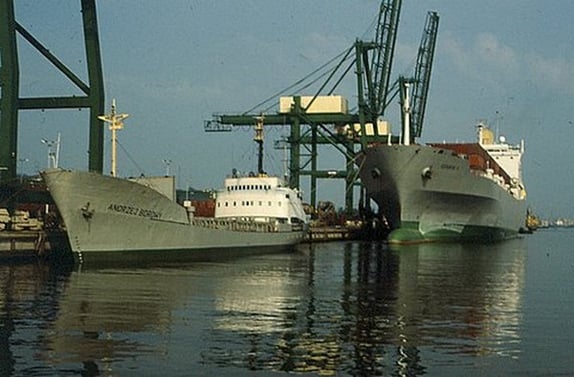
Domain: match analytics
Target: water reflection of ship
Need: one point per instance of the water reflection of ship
(98, 306)
(346, 307)
(109, 314)
(324, 324)
(373, 310)
(468, 296)
(29, 295)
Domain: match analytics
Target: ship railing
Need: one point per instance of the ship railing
(496, 178)
(514, 188)
(237, 225)
(298, 227)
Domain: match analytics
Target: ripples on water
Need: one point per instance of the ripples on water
(335, 308)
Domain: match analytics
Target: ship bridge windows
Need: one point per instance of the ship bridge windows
(248, 187)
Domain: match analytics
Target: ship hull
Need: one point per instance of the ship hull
(430, 194)
(104, 215)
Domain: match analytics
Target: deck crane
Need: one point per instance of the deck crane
(421, 80)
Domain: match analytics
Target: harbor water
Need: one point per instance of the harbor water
(337, 308)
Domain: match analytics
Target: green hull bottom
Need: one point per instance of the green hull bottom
(409, 233)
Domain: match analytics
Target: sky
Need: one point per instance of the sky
(172, 64)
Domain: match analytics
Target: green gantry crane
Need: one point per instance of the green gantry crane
(372, 62)
(422, 76)
(11, 103)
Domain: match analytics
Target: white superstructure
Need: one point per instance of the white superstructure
(259, 198)
(507, 156)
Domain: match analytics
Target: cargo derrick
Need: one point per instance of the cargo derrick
(312, 124)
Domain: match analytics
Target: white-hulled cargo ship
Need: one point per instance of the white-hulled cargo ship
(108, 214)
(447, 192)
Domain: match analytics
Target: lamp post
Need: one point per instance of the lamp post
(53, 156)
(167, 163)
(22, 161)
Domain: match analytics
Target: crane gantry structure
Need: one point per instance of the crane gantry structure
(422, 76)
(348, 132)
(11, 102)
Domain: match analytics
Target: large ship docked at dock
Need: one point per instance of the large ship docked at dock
(447, 191)
(104, 214)
(109, 214)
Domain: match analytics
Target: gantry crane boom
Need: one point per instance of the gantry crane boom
(385, 38)
(423, 73)
(373, 63)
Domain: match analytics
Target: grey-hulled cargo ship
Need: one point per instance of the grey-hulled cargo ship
(107, 214)
(447, 191)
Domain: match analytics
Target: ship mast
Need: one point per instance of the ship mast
(259, 140)
(406, 109)
(116, 123)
